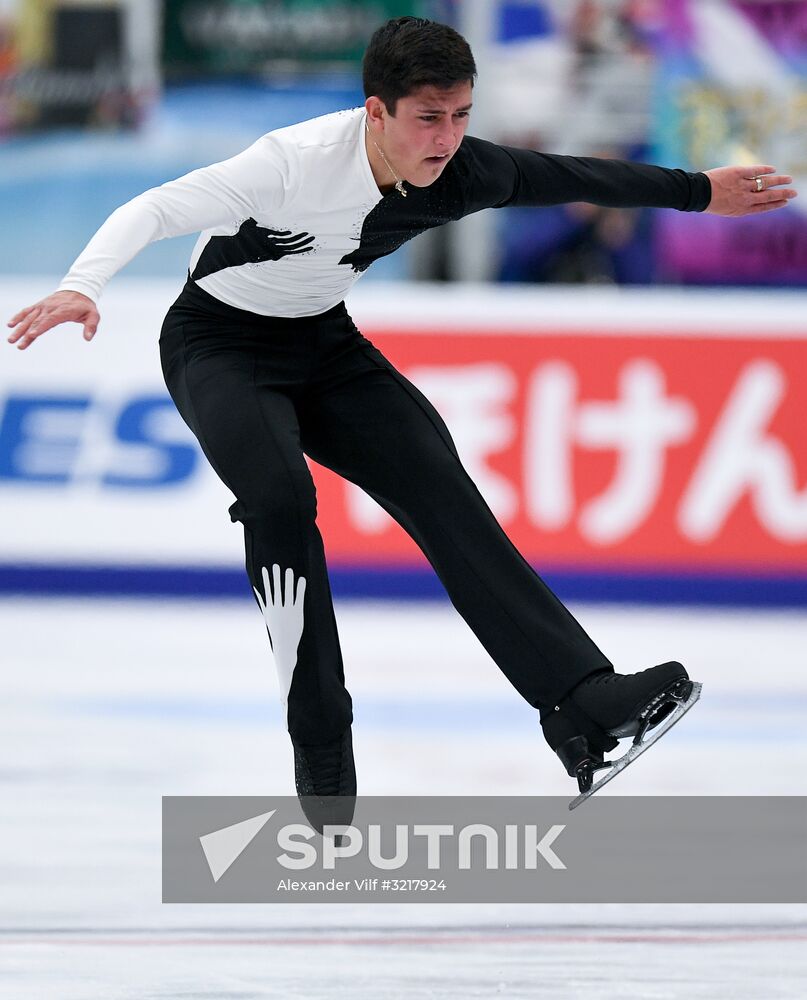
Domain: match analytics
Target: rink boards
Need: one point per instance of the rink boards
(632, 444)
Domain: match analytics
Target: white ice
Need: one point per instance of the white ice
(108, 705)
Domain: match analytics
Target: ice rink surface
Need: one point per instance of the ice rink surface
(108, 705)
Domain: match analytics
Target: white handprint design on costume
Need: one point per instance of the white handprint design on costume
(283, 614)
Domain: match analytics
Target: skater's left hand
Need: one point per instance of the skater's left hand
(735, 190)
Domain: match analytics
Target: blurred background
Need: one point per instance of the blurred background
(103, 98)
(657, 435)
(627, 388)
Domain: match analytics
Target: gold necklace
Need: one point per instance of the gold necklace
(398, 182)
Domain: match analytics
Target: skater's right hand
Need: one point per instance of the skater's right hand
(60, 307)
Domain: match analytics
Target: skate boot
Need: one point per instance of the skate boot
(607, 707)
(326, 782)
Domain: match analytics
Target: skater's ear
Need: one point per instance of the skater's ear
(376, 112)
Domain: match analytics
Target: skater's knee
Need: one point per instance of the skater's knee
(286, 505)
(448, 482)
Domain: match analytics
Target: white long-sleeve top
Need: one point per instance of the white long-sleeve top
(288, 225)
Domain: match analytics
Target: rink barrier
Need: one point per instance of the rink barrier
(403, 584)
(635, 446)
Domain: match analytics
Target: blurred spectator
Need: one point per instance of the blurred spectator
(8, 64)
(605, 101)
(577, 243)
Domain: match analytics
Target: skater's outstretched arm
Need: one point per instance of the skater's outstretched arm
(499, 176)
(223, 194)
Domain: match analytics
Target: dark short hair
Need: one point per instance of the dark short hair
(407, 53)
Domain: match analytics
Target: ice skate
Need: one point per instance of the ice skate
(325, 777)
(607, 707)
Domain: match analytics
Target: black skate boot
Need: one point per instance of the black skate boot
(607, 707)
(326, 782)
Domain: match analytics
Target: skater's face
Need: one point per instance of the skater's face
(421, 137)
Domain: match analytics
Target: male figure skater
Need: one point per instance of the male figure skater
(266, 366)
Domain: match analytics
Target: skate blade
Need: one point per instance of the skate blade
(637, 749)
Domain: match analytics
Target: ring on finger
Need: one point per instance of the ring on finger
(760, 184)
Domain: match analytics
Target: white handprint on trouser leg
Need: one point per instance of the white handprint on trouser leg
(283, 614)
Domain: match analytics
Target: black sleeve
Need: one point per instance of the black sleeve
(495, 176)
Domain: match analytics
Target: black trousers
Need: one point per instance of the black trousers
(260, 393)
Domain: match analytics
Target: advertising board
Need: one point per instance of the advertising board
(616, 437)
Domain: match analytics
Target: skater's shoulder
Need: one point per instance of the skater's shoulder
(337, 128)
(310, 155)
